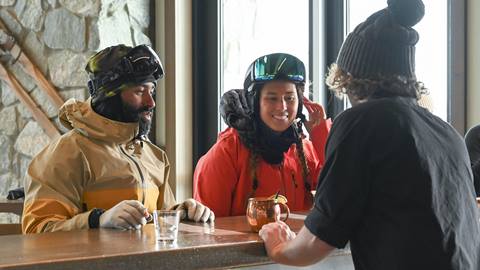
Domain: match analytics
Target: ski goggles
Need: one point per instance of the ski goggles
(142, 61)
(138, 64)
(276, 66)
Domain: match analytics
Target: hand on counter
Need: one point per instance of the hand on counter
(194, 210)
(274, 235)
(284, 247)
(127, 215)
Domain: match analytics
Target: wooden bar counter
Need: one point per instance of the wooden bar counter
(227, 243)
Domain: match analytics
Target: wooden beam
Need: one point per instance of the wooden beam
(29, 67)
(49, 128)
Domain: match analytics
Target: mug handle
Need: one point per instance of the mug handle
(285, 207)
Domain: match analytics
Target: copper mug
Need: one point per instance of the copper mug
(263, 210)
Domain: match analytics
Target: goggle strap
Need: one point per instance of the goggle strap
(92, 89)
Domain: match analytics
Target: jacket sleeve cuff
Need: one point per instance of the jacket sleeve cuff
(80, 221)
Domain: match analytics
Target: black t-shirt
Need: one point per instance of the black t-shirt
(397, 184)
(472, 139)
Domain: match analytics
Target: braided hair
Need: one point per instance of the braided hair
(297, 127)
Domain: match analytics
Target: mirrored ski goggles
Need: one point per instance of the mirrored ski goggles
(277, 66)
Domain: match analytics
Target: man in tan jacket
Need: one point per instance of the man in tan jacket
(105, 172)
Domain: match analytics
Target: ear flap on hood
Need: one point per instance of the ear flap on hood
(235, 110)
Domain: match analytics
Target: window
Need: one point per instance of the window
(257, 27)
(227, 36)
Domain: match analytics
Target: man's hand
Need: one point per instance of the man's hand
(284, 247)
(194, 210)
(316, 114)
(127, 215)
(275, 235)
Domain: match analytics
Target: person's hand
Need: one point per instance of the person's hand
(274, 235)
(194, 210)
(316, 114)
(127, 215)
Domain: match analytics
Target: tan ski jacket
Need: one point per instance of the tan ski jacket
(97, 164)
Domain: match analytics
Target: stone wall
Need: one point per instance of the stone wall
(58, 36)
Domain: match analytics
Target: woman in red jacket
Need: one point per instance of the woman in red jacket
(264, 151)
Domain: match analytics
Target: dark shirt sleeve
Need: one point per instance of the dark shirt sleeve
(342, 194)
(472, 140)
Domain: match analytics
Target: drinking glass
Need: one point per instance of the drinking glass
(166, 225)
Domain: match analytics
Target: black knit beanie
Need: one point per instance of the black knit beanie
(384, 45)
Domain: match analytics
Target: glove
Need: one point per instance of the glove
(194, 210)
(127, 215)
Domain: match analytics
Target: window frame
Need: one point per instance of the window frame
(456, 65)
(207, 74)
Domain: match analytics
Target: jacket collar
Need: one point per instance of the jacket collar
(79, 116)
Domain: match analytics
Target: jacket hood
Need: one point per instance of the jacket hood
(79, 116)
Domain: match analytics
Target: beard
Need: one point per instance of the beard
(136, 115)
(116, 109)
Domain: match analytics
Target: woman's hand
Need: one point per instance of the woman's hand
(316, 114)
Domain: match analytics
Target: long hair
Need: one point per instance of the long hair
(343, 83)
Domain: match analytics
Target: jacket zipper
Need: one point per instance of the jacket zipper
(139, 171)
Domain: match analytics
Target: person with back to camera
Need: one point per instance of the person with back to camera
(263, 151)
(397, 182)
(105, 172)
